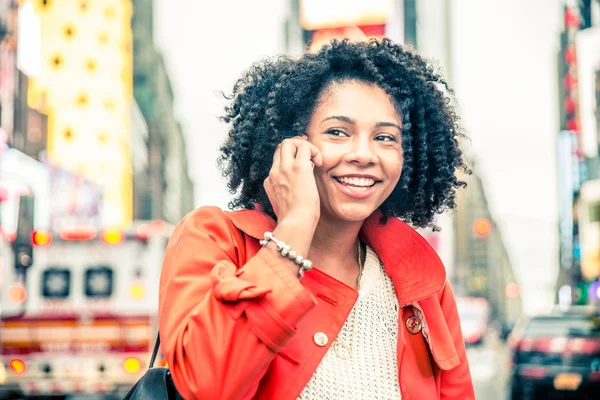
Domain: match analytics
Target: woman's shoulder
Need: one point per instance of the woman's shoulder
(201, 219)
(251, 222)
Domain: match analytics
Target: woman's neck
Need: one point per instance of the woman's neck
(334, 247)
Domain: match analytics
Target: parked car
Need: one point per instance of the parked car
(557, 355)
(474, 313)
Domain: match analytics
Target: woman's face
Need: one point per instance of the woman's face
(357, 130)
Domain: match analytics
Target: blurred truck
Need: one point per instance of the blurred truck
(82, 317)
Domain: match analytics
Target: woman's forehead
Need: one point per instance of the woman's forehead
(356, 100)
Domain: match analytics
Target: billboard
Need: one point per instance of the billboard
(587, 43)
(568, 184)
(356, 20)
(74, 200)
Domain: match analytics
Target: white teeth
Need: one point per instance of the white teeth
(354, 181)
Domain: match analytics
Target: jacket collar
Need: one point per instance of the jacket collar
(409, 260)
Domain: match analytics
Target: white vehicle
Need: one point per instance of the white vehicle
(83, 318)
(474, 313)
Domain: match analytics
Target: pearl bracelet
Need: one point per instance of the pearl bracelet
(286, 251)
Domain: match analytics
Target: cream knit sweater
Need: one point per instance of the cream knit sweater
(372, 370)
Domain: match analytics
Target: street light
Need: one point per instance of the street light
(482, 227)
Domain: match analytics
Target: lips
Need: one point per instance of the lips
(357, 187)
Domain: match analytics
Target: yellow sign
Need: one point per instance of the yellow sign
(85, 86)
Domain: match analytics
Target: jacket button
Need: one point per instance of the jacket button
(414, 324)
(320, 339)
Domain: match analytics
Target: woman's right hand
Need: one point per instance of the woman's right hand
(292, 191)
(291, 185)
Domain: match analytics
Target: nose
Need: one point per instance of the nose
(362, 150)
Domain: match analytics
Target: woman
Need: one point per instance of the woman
(326, 154)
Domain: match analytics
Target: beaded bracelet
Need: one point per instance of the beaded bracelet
(286, 251)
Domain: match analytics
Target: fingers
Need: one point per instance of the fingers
(299, 149)
(276, 158)
(304, 154)
(288, 152)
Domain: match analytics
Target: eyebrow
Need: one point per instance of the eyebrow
(353, 122)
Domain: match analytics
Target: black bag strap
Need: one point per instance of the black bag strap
(155, 351)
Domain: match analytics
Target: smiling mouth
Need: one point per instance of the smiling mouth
(356, 183)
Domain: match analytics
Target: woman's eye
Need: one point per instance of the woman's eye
(336, 132)
(386, 138)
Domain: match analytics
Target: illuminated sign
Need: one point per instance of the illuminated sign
(319, 14)
(320, 37)
(85, 87)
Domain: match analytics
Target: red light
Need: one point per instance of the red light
(533, 372)
(18, 366)
(55, 388)
(569, 106)
(4, 194)
(568, 81)
(573, 125)
(570, 55)
(101, 387)
(144, 231)
(482, 227)
(84, 233)
(78, 387)
(9, 235)
(17, 294)
(594, 376)
(571, 19)
(512, 290)
(42, 238)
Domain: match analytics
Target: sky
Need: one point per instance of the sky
(504, 73)
(207, 45)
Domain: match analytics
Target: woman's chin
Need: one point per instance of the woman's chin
(353, 212)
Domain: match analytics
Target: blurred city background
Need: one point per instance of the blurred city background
(109, 134)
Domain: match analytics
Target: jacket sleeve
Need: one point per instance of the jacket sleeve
(455, 383)
(221, 324)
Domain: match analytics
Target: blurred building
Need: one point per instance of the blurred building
(169, 193)
(61, 196)
(140, 164)
(483, 267)
(579, 153)
(25, 127)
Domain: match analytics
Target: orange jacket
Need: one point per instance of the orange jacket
(236, 323)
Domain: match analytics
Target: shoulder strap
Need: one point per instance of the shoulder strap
(155, 351)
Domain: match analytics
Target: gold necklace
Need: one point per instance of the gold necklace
(341, 349)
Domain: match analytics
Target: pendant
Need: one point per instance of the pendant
(342, 350)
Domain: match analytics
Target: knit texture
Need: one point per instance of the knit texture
(372, 370)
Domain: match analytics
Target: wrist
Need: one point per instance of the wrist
(301, 264)
(306, 221)
(296, 233)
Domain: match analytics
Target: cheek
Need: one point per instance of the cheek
(394, 166)
(332, 155)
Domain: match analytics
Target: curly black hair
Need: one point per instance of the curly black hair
(275, 99)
